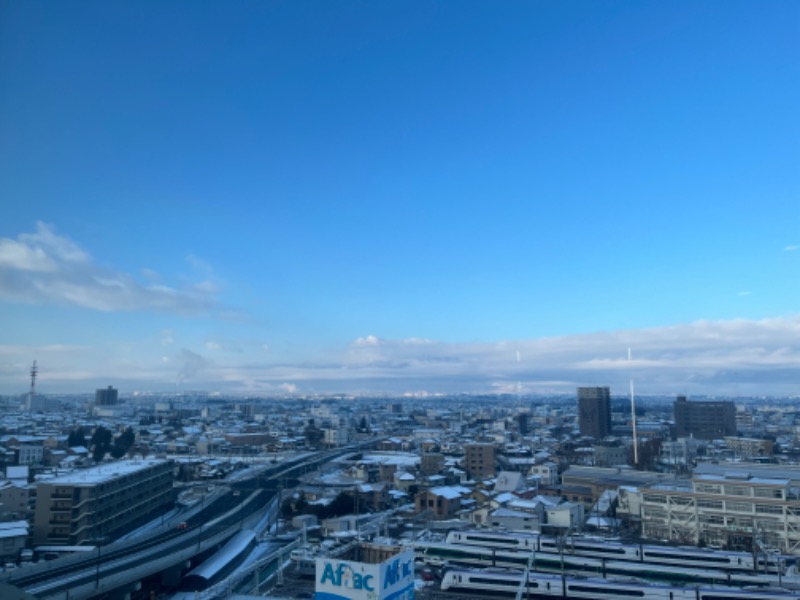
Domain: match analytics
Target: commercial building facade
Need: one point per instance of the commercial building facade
(350, 580)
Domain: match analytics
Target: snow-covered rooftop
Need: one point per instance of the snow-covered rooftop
(104, 472)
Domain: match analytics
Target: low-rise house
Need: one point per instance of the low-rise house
(13, 539)
(443, 502)
(514, 520)
(564, 517)
(14, 499)
(403, 480)
(510, 481)
(373, 496)
(339, 526)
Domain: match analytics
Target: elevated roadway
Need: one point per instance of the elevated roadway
(118, 568)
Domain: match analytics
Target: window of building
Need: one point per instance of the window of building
(681, 500)
(768, 493)
(656, 498)
(654, 513)
(712, 519)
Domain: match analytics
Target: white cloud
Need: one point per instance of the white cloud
(221, 344)
(193, 365)
(21, 257)
(701, 355)
(744, 293)
(44, 267)
(792, 248)
(61, 248)
(712, 357)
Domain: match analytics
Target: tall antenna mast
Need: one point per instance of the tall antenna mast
(34, 371)
(633, 419)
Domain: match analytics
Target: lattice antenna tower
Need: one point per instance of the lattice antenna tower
(34, 372)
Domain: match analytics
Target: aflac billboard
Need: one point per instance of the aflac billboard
(348, 580)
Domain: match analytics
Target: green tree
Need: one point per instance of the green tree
(100, 443)
(313, 434)
(294, 505)
(76, 438)
(363, 425)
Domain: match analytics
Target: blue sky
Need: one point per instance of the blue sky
(400, 196)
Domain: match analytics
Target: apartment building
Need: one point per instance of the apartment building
(750, 447)
(89, 505)
(479, 460)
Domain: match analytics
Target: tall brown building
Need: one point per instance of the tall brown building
(594, 411)
(479, 460)
(704, 420)
(431, 463)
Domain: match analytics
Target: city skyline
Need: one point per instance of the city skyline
(396, 198)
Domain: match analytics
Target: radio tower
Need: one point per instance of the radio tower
(34, 371)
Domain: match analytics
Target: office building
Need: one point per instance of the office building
(106, 397)
(594, 411)
(704, 420)
(90, 506)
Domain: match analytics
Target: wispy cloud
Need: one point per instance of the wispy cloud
(192, 365)
(45, 267)
(791, 248)
(166, 337)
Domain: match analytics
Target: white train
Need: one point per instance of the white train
(475, 556)
(542, 586)
(697, 558)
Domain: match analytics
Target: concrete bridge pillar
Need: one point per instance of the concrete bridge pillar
(124, 593)
(172, 576)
